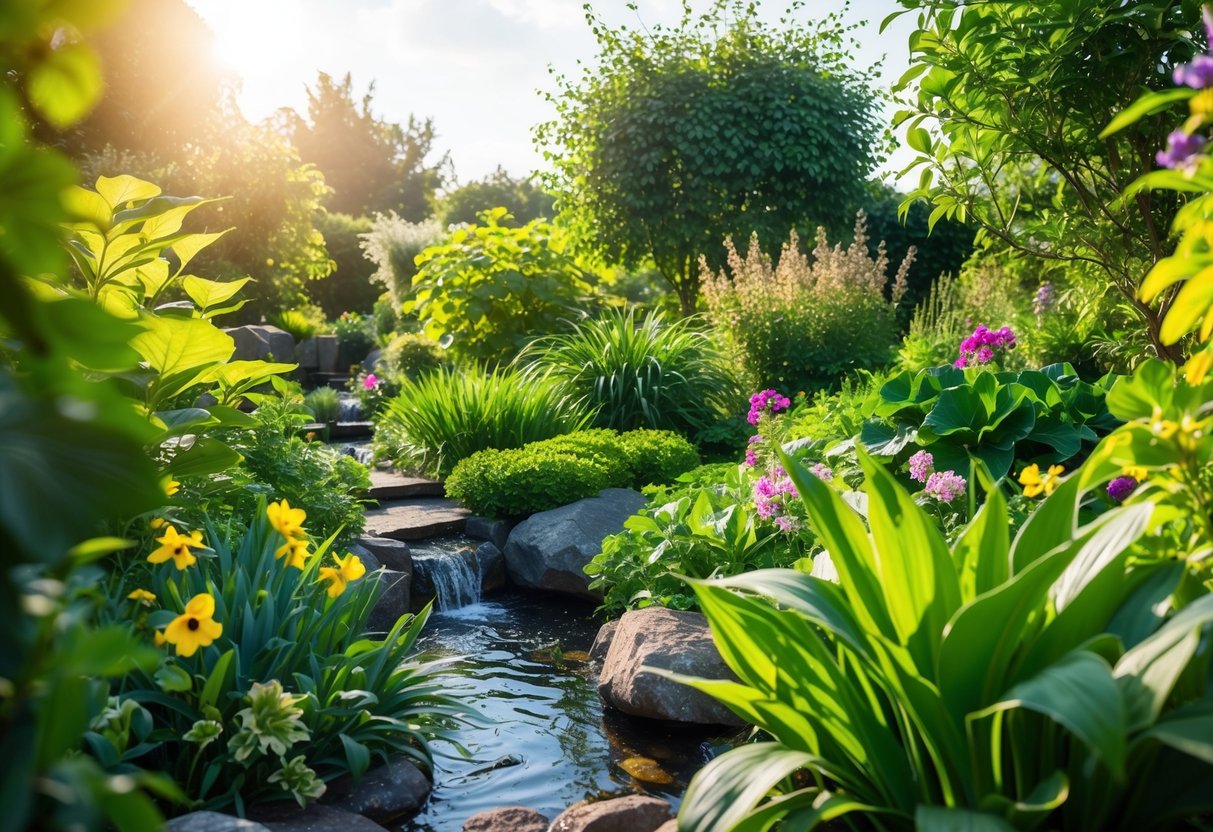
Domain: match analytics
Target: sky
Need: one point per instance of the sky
(474, 66)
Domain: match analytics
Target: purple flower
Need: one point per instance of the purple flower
(1120, 488)
(1182, 149)
(765, 487)
(945, 486)
(786, 524)
(1044, 300)
(1197, 73)
(751, 456)
(922, 465)
(981, 347)
(767, 401)
(786, 486)
(822, 472)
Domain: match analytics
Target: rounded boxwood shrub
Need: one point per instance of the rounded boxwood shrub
(410, 355)
(658, 456)
(554, 472)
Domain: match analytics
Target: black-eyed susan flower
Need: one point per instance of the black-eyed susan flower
(287, 521)
(1035, 483)
(143, 597)
(349, 568)
(194, 628)
(176, 546)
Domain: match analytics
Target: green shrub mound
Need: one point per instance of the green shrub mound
(554, 472)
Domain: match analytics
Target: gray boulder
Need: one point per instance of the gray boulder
(671, 640)
(395, 598)
(602, 641)
(496, 532)
(212, 822)
(394, 554)
(384, 794)
(507, 819)
(633, 813)
(287, 817)
(549, 550)
(261, 342)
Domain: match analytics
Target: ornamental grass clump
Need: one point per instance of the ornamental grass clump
(268, 684)
(806, 321)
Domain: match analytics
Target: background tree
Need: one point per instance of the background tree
(521, 197)
(719, 126)
(1006, 116)
(371, 164)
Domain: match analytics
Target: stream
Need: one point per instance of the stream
(544, 741)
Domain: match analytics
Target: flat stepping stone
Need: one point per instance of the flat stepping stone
(392, 485)
(416, 518)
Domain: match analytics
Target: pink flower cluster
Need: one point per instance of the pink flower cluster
(751, 455)
(768, 401)
(769, 494)
(922, 465)
(979, 348)
(945, 486)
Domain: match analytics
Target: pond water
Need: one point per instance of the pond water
(545, 741)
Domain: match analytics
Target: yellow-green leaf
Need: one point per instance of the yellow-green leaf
(119, 190)
(65, 85)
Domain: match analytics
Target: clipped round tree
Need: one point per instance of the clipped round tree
(722, 125)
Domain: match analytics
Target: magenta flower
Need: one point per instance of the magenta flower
(945, 486)
(371, 381)
(1182, 149)
(786, 524)
(981, 347)
(822, 472)
(751, 456)
(922, 465)
(1120, 488)
(767, 401)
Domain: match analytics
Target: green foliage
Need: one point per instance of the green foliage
(722, 125)
(278, 463)
(635, 373)
(936, 329)
(520, 197)
(324, 404)
(291, 673)
(803, 323)
(704, 525)
(349, 287)
(993, 684)
(554, 472)
(1005, 104)
(489, 286)
(302, 323)
(411, 356)
(372, 165)
(355, 338)
(1047, 416)
(447, 415)
(392, 245)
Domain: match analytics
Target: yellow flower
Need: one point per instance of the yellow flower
(143, 596)
(172, 487)
(177, 546)
(1137, 472)
(287, 521)
(295, 552)
(1035, 483)
(348, 569)
(158, 638)
(1198, 367)
(194, 628)
(156, 523)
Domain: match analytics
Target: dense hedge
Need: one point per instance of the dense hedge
(553, 472)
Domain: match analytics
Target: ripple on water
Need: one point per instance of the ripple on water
(525, 674)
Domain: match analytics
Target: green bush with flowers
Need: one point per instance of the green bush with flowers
(268, 686)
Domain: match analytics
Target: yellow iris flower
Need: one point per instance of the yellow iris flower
(177, 546)
(1035, 483)
(1198, 367)
(143, 597)
(172, 487)
(194, 628)
(295, 552)
(287, 521)
(348, 569)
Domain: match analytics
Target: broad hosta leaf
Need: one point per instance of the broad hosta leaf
(1149, 671)
(730, 786)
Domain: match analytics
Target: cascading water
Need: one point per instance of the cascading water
(450, 570)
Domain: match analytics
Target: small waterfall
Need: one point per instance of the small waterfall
(350, 409)
(448, 569)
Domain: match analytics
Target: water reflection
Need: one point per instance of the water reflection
(545, 741)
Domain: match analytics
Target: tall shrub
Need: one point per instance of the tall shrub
(392, 245)
(805, 322)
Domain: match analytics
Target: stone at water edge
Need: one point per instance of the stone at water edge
(507, 819)
(212, 822)
(395, 598)
(550, 550)
(670, 640)
(496, 532)
(394, 554)
(384, 794)
(602, 641)
(288, 817)
(633, 813)
(491, 564)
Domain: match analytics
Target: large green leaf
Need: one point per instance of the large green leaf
(950, 819)
(66, 84)
(728, 788)
(982, 552)
(1079, 693)
(1148, 672)
(179, 349)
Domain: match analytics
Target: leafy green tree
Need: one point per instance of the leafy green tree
(1005, 105)
(371, 164)
(722, 125)
(520, 197)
